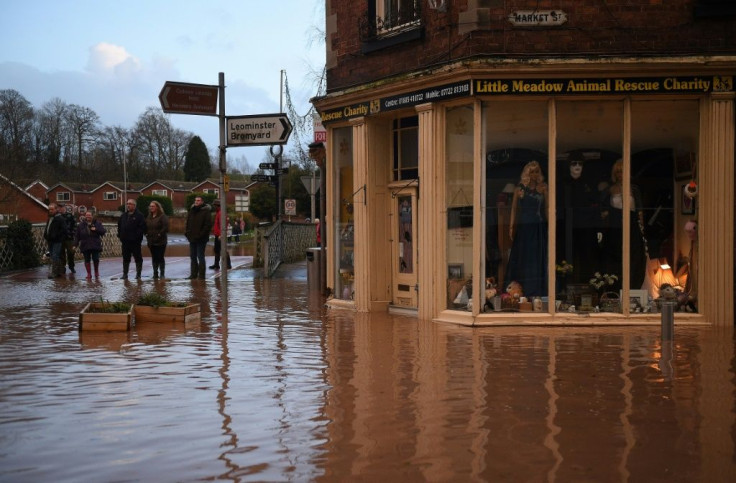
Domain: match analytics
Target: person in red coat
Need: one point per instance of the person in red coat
(217, 232)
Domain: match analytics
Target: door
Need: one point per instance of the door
(404, 248)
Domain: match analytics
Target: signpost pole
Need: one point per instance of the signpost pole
(223, 199)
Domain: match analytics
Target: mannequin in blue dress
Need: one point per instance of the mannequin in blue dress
(528, 232)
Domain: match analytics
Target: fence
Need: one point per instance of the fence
(282, 242)
(110, 244)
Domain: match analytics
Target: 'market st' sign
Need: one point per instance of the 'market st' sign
(258, 130)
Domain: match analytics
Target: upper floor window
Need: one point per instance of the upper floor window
(110, 195)
(160, 192)
(405, 146)
(394, 14)
(63, 196)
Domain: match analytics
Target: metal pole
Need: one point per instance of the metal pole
(223, 198)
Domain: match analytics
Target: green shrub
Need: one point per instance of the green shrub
(154, 299)
(20, 243)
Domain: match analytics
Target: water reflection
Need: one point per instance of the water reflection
(283, 389)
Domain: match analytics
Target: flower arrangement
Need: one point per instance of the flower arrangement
(563, 268)
(599, 282)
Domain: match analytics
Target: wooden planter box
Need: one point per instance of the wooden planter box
(91, 320)
(186, 314)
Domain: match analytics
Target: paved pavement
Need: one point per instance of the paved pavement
(177, 267)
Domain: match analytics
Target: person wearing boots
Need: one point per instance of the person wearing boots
(55, 234)
(157, 229)
(88, 237)
(131, 227)
(217, 232)
(197, 231)
(67, 251)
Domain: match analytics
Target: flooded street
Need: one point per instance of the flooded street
(282, 389)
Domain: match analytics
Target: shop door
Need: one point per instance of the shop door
(404, 248)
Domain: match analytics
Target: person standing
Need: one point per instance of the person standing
(88, 237)
(197, 232)
(55, 234)
(131, 227)
(236, 230)
(217, 232)
(70, 224)
(157, 229)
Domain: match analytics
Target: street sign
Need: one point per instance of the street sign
(282, 171)
(290, 207)
(268, 166)
(182, 98)
(264, 178)
(258, 130)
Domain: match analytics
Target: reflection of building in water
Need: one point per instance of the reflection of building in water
(442, 404)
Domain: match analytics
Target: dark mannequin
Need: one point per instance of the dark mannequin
(576, 221)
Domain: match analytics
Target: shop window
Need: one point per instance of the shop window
(516, 204)
(664, 143)
(405, 136)
(589, 235)
(459, 142)
(343, 208)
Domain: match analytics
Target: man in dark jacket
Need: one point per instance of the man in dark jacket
(55, 233)
(199, 224)
(70, 223)
(131, 227)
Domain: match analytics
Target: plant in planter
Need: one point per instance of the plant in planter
(104, 315)
(154, 307)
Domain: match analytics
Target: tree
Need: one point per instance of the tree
(16, 124)
(82, 122)
(263, 202)
(197, 161)
(49, 131)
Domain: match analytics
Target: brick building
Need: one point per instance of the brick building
(477, 143)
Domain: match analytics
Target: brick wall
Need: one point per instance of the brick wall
(480, 28)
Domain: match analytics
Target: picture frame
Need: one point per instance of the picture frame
(637, 295)
(687, 204)
(455, 271)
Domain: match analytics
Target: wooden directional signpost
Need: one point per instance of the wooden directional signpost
(258, 130)
(253, 130)
(182, 98)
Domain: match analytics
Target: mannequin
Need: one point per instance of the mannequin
(612, 216)
(577, 211)
(528, 232)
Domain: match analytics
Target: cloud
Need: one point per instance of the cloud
(109, 59)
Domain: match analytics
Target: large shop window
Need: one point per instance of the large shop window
(516, 198)
(589, 230)
(343, 213)
(459, 205)
(664, 143)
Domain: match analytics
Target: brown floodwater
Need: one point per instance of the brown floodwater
(278, 388)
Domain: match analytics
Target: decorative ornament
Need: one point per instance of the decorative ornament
(691, 189)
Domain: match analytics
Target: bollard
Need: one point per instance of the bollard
(668, 319)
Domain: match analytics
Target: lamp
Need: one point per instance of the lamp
(664, 274)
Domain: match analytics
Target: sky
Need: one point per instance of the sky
(114, 57)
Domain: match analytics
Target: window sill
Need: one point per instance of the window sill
(391, 40)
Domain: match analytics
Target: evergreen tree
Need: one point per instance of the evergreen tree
(197, 161)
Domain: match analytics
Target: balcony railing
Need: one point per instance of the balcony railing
(405, 16)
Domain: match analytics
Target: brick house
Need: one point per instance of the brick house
(16, 202)
(110, 196)
(36, 188)
(451, 119)
(75, 194)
